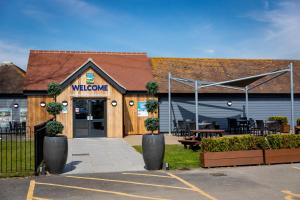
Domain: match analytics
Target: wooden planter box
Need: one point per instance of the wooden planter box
(273, 156)
(231, 158)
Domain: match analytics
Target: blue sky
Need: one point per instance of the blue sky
(174, 28)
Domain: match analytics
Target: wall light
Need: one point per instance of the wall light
(131, 102)
(16, 105)
(229, 103)
(65, 103)
(114, 103)
(42, 104)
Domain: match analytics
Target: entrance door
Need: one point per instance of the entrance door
(89, 117)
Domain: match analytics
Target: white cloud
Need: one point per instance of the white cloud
(211, 51)
(280, 34)
(14, 53)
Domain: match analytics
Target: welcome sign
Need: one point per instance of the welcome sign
(90, 87)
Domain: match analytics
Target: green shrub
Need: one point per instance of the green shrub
(298, 122)
(284, 141)
(152, 88)
(54, 108)
(54, 89)
(283, 120)
(54, 127)
(238, 143)
(151, 105)
(152, 124)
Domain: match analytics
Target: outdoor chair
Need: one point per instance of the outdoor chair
(260, 128)
(251, 124)
(273, 127)
(181, 127)
(232, 125)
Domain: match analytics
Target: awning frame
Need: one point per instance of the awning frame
(198, 84)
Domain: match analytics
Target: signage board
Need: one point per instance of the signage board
(90, 78)
(90, 87)
(142, 111)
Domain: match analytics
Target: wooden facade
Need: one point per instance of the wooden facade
(121, 120)
(134, 124)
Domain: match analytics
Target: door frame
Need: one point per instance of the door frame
(105, 114)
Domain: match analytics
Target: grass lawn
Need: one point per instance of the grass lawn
(15, 159)
(178, 157)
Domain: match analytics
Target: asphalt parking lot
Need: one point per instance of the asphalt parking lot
(253, 182)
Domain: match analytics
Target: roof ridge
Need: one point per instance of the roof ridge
(203, 58)
(88, 52)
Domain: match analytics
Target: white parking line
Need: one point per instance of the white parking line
(102, 191)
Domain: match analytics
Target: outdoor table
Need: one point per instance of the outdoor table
(204, 124)
(207, 132)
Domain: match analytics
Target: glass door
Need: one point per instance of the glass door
(97, 113)
(81, 118)
(89, 117)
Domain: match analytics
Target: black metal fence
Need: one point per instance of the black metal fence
(16, 151)
(39, 134)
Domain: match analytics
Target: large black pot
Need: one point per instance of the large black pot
(153, 151)
(55, 153)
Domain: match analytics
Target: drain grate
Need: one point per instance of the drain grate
(217, 174)
(80, 154)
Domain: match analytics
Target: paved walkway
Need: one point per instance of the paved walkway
(137, 139)
(94, 155)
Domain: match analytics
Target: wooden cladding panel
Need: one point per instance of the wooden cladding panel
(132, 122)
(37, 114)
(114, 120)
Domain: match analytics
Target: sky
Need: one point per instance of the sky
(162, 28)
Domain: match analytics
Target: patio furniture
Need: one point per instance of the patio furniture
(191, 144)
(272, 126)
(243, 125)
(260, 128)
(181, 127)
(232, 125)
(198, 134)
(204, 124)
(297, 129)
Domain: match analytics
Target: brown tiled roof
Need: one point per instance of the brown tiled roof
(11, 79)
(222, 70)
(131, 70)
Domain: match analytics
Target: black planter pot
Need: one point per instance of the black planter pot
(55, 153)
(153, 151)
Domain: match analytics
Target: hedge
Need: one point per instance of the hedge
(285, 141)
(281, 119)
(237, 143)
(250, 142)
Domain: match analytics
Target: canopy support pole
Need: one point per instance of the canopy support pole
(196, 104)
(292, 97)
(169, 102)
(247, 102)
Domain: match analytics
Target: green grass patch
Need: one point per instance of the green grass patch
(16, 158)
(178, 157)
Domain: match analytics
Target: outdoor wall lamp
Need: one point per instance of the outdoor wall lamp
(114, 103)
(131, 102)
(229, 103)
(65, 103)
(16, 105)
(42, 104)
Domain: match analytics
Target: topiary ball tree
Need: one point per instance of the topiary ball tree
(54, 108)
(152, 123)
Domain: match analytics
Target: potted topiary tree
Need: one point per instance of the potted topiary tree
(153, 144)
(55, 146)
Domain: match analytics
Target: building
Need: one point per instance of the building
(104, 92)
(13, 103)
